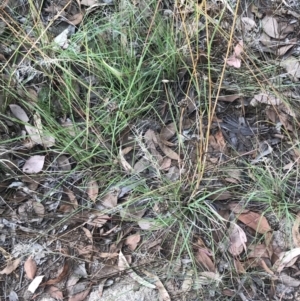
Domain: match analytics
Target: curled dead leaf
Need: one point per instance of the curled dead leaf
(34, 164)
(92, 190)
(237, 238)
(30, 267)
(11, 266)
(255, 221)
(132, 241)
(55, 293)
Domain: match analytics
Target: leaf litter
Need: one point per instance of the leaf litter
(101, 221)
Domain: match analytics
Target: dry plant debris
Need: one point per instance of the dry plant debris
(152, 139)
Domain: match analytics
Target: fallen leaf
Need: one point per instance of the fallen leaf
(292, 66)
(80, 296)
(34, 164)
(92, 190)
(166, 164)
(258, 251)
(11, 266)
(237, 208)
(295, 231)
(239, 266)
(97, 219)
(19, 113)
(63, 163)
(62, 39)
(265, 98)
(110, 200)
(163, 293)
(124, 163)
(71, 197)
(76, 19)
(55, 293)
(39, 137)
(234, 62)
(61, 276)
(148, 224)
(285, 259)
(270, 26)
(202, 257)
(255, 221)
(30, 267)
(169, 152)
(123, 265)
(288, 280)
(35, 283)
(38, 208)
(88, 234)
(132, 241)
(187, 281)
(237, 239)
(284, 49)
(168, 131)
(141, 165)
(248, 23)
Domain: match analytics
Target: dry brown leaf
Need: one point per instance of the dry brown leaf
(258, 251)
(169, 152)
(163, 293)
(110, 200)
(236, 208)
(202, 257)
(123, 265)
(132, 241)
(71, 197)
(80, 296)
(30, 268)
(255, 221)
(187, 281)
(97, 219)
(239, 267)
(237, 239)
(270, 26)
(168, 131)
(37, 134)
(284, 49)
(61, 276)
(19, 113)
(11, 266)
(234, 60)
(64, 163)
(295, 231)
(92, 190)
(55, 293)
(124, 163)
(76, 19)
(148, 224)
(257, 262)
(34, 164)
(166, 164)
(88, 234)
(292, 66)
(141, 165)
(285, 259)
